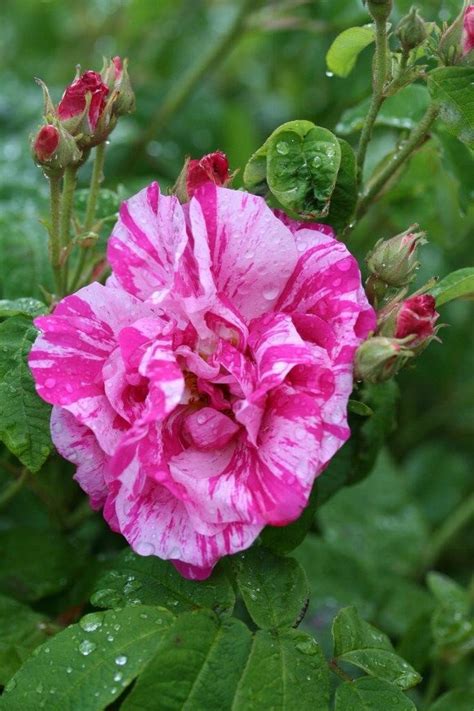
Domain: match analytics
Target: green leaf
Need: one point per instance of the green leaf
(35, 564)
(22, 307)
(344, 196)
(24, 417)
(359, 408)
(24, 263)
(452, 87)
(198, 666)
(376, 522)
(368, 694)
(283, 539)
(457, 285)
(207, 664)
(21, 630)
(274, 589)
(345, 49)
(299, 162)
(89, 664)
(403, 111)
(452, 623)
(153, 581)
(359, 643)
(455, 700)
(458, 160)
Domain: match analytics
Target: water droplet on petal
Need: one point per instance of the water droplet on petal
(270, 292)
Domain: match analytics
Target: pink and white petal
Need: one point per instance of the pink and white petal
(155, 522)
(147, 242)
(78, 445)
(277, 347)
(252, 252)
(166, 381)
(210, 429)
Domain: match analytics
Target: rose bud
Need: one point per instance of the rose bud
(468, 30)
(394, 261)
(83, 103)
(115, 75)
(380, 358)
(54, 149)
(211, 168)
(416, 318)
(411, 30)
(45, 143)
(380, 9)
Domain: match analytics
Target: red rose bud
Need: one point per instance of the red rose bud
(416, 319)
(54, 149)
(468, 30)
(380, 358)
(394, 261)
(45, 143)
(212, 168)
(83, 103)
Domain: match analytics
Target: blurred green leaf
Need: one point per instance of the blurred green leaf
(452, 87)
(368, 694)
(452, 622)
(361, 644)
(457, 285)
(153, 581)
(34, 565)
(455, 700)
(402, 111)
(343, 52)
(21, 630)
(24, 417)
(458, 159)
(89, 664)
(274, 589)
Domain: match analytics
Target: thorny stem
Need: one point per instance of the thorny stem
(379, 78)
(414, 140)
(69, 185)
(12, 489)
(94, 189)
(180, 91)
(54, 234)
(454, 523)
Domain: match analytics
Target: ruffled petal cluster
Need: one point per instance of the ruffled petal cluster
(202, 390)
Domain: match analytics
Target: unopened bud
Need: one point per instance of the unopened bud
(454, 41)
(411, 30)
(54, 149)
(394, 261)
(380, 358)
(211, 168)
(413, 319)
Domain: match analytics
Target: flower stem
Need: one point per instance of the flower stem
(379, 78)
(183, 88)
(94, 189)
(336, 669)
(12, 489)
(454, 523)
(414, 140)
(69, 185)
(96, 179)
(54, 233)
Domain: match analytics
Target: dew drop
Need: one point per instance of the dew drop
(282, 148)
(145, 548)
(118, 676)
(86, 647)
(329, 74)
(91, 622)
(270, 292)
(121, 660)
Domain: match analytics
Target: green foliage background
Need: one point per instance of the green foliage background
(371, 544)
